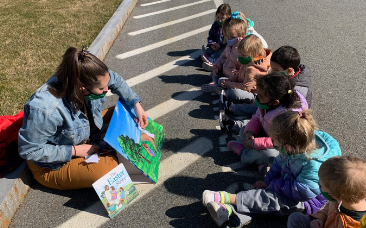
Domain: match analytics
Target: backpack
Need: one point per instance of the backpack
(9, 156)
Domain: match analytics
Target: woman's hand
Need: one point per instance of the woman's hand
(141, 115)
(260, 184)
(84, 150)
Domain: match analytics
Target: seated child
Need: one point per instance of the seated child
(286, 59)
(215, 44)
(254, 60)
(342, 182)
(291, 184)
(234, 31)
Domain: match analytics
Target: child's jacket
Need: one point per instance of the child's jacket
(303, 80)
(333, 219)
(262, 119)
(258, 66)
(296, 176)
(215, 35)
(228, 60)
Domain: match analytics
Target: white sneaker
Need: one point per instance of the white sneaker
(207, 66)
(218, 213)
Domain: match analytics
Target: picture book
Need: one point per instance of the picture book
(115, 190)
(136, 146)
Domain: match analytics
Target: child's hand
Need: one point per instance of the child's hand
(234, 72)
(141, 116)
(249, 143)
(84, 150)
(249, 135)
(223, 83)
(316, 223)
(215, 46)
(260, 184)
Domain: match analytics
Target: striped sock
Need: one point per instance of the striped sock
(217, 197)
(227, 207)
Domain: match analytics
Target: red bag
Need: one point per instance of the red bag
(9, 156)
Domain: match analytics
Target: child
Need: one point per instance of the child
(215, 38)
(227, 64)
(342, 181)
(254, 60)
(286, 59)
(275, 95)
(291, 184)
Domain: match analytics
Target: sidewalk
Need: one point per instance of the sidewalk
(15, 185)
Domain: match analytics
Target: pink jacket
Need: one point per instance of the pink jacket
(258, 66)
(228, 60)
(262, 119)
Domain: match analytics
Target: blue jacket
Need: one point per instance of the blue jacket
(296, 177)
(51, 126)
(215, 35)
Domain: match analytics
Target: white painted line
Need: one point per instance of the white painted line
(170, 9)
(171, 23)
(160, 70)
(153, 3)
(224, 149)
(162, 43)
(94, 216)
(218, 127)
(232, 167)
(173, 103)
(218, 3)
(216, 109)
(216, 101)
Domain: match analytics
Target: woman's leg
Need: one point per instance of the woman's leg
(75, 174)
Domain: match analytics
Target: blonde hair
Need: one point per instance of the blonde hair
(251, 45)
(239, 25)
(296, 129)
(345, 177)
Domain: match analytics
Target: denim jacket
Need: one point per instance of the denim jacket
(51, 126)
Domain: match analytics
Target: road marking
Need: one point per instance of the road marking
(153, 3)
(96, 215)
(218, 3)
(162, 43)
(171, 23)
(218, 127)
(160, 70)
(170, 9)
(173, 103)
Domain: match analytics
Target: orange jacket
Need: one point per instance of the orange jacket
(333, 219)
(245, 78)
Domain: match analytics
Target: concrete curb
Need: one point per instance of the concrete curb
(15, 185)
(109, 33)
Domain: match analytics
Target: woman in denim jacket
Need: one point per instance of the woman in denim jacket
(65, 113)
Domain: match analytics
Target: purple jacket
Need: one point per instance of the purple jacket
(296, 176)
(215, 35)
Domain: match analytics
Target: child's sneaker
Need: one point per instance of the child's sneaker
(207, 66)
(236, 147)
(263, 169)
(219, 212)
(226, 103)
(205, 57)
(208, 88)
(226, 124)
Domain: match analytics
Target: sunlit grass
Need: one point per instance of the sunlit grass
(33, 36)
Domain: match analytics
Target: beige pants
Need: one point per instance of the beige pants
(76, 174)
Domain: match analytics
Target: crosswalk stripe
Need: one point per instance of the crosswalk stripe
(170, 9)
(153, 3)
(162, 43)
(160, 70)
(171, 23)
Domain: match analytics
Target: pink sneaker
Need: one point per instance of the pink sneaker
(235, 146)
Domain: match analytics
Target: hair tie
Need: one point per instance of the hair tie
(235, 15)
(83, 53)
(289, 91)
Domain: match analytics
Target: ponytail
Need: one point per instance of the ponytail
(296, 129)
(279, 87)
(77, 70)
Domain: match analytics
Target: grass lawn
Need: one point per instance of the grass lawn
(34, 34)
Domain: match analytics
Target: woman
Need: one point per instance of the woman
(66, 113)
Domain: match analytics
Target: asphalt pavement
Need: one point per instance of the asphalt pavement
(162, 65)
